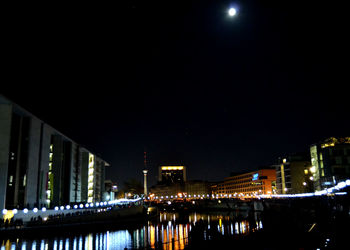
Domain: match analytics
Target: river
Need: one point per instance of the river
(166, 231)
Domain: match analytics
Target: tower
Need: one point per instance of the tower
(145, 171)
(145, 181)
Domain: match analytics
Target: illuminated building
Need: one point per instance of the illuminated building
(173, 183)
(188, 189)
(172, 174)
(293, 174)
(330, 160)
(93, 177)
(111, 189)
(41, 167)
(249, 184)
(164, 191)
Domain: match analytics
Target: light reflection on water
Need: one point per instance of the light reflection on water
(170, 231)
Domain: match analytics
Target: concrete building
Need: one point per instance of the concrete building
(166, 191)
(40, 166)
(172, 174)
(197, 188)
(259, 182)
(330, 160)
(188, 189)
(293, 174)
(111, 190)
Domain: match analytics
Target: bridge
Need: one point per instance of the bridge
(25, 215)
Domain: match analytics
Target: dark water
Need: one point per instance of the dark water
(167, 231)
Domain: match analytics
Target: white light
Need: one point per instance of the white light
(62, 207)
(15, 211)
(81, 205)
(43, 209)
(67, 207)
(75, 206)
(25, 210)
(35, 210)
(232, 12)
(56, 208)
(86, 205)
(341, 184)
(347, 182)
(4, 211)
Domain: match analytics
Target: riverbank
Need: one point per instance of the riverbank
(85, 222)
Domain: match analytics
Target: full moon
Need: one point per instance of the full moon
(232, 12)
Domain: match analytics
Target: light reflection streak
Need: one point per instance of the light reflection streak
(80, 242)
(55, 244)
(42, 245)
(33, 246)
(160, 234)
(67, 244)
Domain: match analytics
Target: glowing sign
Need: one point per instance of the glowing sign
(255, 177)
(172, 167)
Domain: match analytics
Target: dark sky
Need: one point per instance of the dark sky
(182, 80)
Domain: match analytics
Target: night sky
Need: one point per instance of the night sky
(182, 80)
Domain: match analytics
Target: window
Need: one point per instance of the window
(338, 160)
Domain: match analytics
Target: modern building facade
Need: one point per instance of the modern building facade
(259, 182)
(40, 166)
(293, 174)
(172, 174)
(330, 160)
(111, 190)
(189, 189)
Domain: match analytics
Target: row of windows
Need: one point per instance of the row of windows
(238, 181)
(238, 189)
(240, 177)
(339, 152)
(341, 160)
(246, 184)
(251, 189)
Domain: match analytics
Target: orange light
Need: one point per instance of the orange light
(172, 168)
